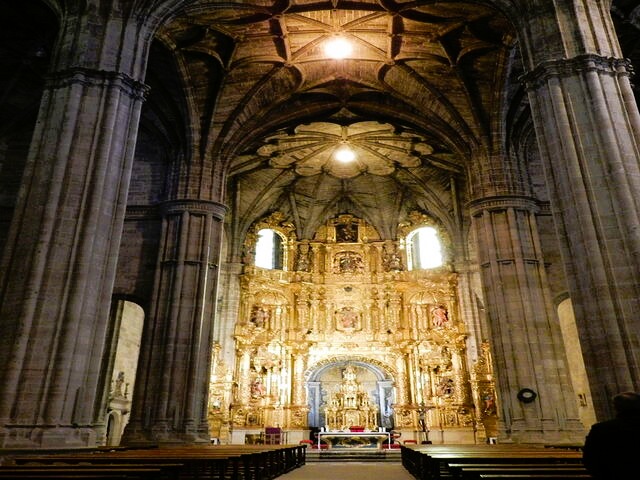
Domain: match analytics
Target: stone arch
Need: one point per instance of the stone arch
(383, 397)
(127, 318)
(383, 370)
(575, 359)
(114, 428)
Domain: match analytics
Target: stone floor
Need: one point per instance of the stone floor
(349, 471)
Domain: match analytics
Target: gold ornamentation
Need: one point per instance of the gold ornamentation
(350, 305)
(348, 262)
(347, 319)
(350, 405)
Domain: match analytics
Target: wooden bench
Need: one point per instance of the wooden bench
(439, 464)
(532, 476)
(432, 462)
(218, 462)
(78, 472)
(473, 471)
(189, 466)
(69, 476)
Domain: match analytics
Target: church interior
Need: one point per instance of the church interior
(219, 218)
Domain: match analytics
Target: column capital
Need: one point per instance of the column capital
(98, 78)
(566, 67)
(503, 202)
(218, 210)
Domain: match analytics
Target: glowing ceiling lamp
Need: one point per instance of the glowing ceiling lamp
(344, 154)
(338, 48)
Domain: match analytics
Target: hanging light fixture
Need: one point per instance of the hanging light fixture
(338, 48)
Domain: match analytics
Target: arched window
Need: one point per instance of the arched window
(424, 249)
(269, 249)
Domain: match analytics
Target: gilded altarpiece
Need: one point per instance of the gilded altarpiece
(344, 302)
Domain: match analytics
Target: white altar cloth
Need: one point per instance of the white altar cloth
(354, 439)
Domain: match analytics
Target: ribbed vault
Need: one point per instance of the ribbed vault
(415, 97)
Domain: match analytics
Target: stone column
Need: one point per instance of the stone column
(588, 128)
(525, 331)
(61, 253)
(470, 312)
(231, 311)
(170, 401)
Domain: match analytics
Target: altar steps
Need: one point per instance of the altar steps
(353, 455)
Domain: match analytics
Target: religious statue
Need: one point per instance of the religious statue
(259, 316)
(117, 387)
(488, 404)
(348, 262)
(257, 388)
(440, 316)
(391, 259)
(445, 387)
(303, 261)
(422, 421)
(347, 232)
(347, 318)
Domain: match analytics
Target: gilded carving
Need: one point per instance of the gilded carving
(347, 318)
(483, 389)
(349, 301)
(304, 259)
(259, 316)
(346, 232)
(349, 405)
(440, 316)
(348, 262)
(391, 260)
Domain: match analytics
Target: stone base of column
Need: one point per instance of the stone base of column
(50, 437)
(163, 437)
(572, 433)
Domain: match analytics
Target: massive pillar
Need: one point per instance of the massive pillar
(525, 331)
(170, 398)
(231, 308)
(588, 128)
(60, 259)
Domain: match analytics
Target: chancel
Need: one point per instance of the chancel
(185, 257)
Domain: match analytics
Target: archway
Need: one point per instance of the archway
(325, 379)
(577, 370)
(128, 321)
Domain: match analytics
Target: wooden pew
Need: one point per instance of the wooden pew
(219, 462)
(188, 466)
(431, 462)
(439, 463)
(533, 476)
(473, 471)
(139, 471)
(77, 472)
(70, 476)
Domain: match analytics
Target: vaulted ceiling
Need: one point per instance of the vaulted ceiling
(248, 86)
(423, 87)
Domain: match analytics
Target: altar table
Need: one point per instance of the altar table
(354, 439)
